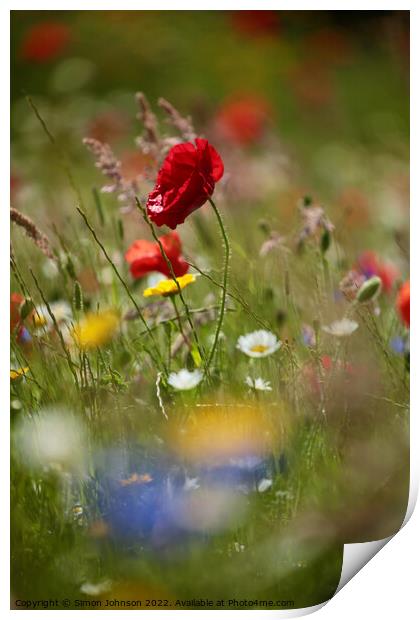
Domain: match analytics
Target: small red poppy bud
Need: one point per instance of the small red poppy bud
(403, 303)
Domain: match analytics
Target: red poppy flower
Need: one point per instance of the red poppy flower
(45, 41)
(145, 256)
(242, 120)
(311, 372)
(403, 302)
(16, 301)
(329, 46)
(256, 23)
(312, 84)
(108, 126)
(15, 184)
(370, 265)
(185, 182)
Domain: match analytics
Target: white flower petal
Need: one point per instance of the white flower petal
(343, 327)
(264, 485)
(184, 379)
(260, 343)
(95, 589)
(53, 437)
(259, 384)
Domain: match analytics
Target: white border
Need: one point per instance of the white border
(400, 553)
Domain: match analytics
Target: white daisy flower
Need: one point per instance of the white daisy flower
(107, 275)
(95, 589)
(191, 484)
(184, 379)
(61, 310)
(343, 327)
(53, 438)
(50, 269)
(264, 485)
(258, 344)
(258, 384)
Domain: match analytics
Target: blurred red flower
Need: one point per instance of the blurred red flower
(370, 265)
(242, 120)
(185, 182)
(135, 164)
(329, 46)
(312, 84)
(15, 183)
(356, 206)
(108, 126)
(256, 23)
(311, 372)
(145, 256)
(403, 303)
(45, 41)
(16, 301)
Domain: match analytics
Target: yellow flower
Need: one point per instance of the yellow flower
(19, 372)
(216, 434)
(96, 329)
(168, 287)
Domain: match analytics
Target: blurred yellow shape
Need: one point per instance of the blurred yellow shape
(96, 329)
(19, 372)
(169, 287)
(39, 319)
(216, 434)
(259, 348)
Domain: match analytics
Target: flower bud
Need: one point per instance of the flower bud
(78, 296)
(26, 308)
(369, 289)
(325, 241)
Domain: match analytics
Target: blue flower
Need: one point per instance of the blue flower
(398, 345)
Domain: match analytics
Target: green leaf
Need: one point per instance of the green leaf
(98, 204)
(70, 268)
(195, 354)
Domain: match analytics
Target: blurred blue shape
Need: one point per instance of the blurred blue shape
(398, 345)
(146, 499)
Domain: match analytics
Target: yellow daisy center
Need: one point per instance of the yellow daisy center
(259, 348)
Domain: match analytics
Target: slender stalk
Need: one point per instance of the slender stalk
(224, 284)
(61, 155)
(173, 276)
(182, 316)
(58, 331)
(236, 296)
(127, 290)
(178, 318)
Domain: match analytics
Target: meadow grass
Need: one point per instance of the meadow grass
(123, 482)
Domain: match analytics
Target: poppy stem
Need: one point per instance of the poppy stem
(173, 276)
(127, 290)
(178, 317)
(224, 283)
